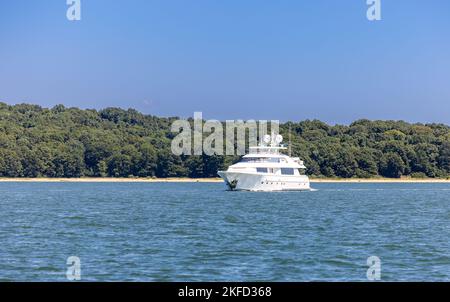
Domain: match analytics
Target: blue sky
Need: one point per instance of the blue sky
(230, 59)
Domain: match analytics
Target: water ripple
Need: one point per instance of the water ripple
(186, 232)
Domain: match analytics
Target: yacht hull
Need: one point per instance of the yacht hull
(240, 181)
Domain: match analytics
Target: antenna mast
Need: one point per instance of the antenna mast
(290, 148)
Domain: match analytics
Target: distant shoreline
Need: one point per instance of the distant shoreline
(216, 180)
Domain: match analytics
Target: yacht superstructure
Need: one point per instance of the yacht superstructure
(265, 168)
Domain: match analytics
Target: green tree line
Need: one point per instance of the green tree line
(70, 142)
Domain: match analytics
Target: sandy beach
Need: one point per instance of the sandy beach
(108, 179)
(381, 180)
(213, 180)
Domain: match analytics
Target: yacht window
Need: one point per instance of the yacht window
(261, 170)
(287, 171)
(260, 160)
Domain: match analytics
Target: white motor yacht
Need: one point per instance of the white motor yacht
(265, 168)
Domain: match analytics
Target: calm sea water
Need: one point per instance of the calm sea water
(199, 232)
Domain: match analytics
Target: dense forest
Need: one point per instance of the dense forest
(70, 142)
